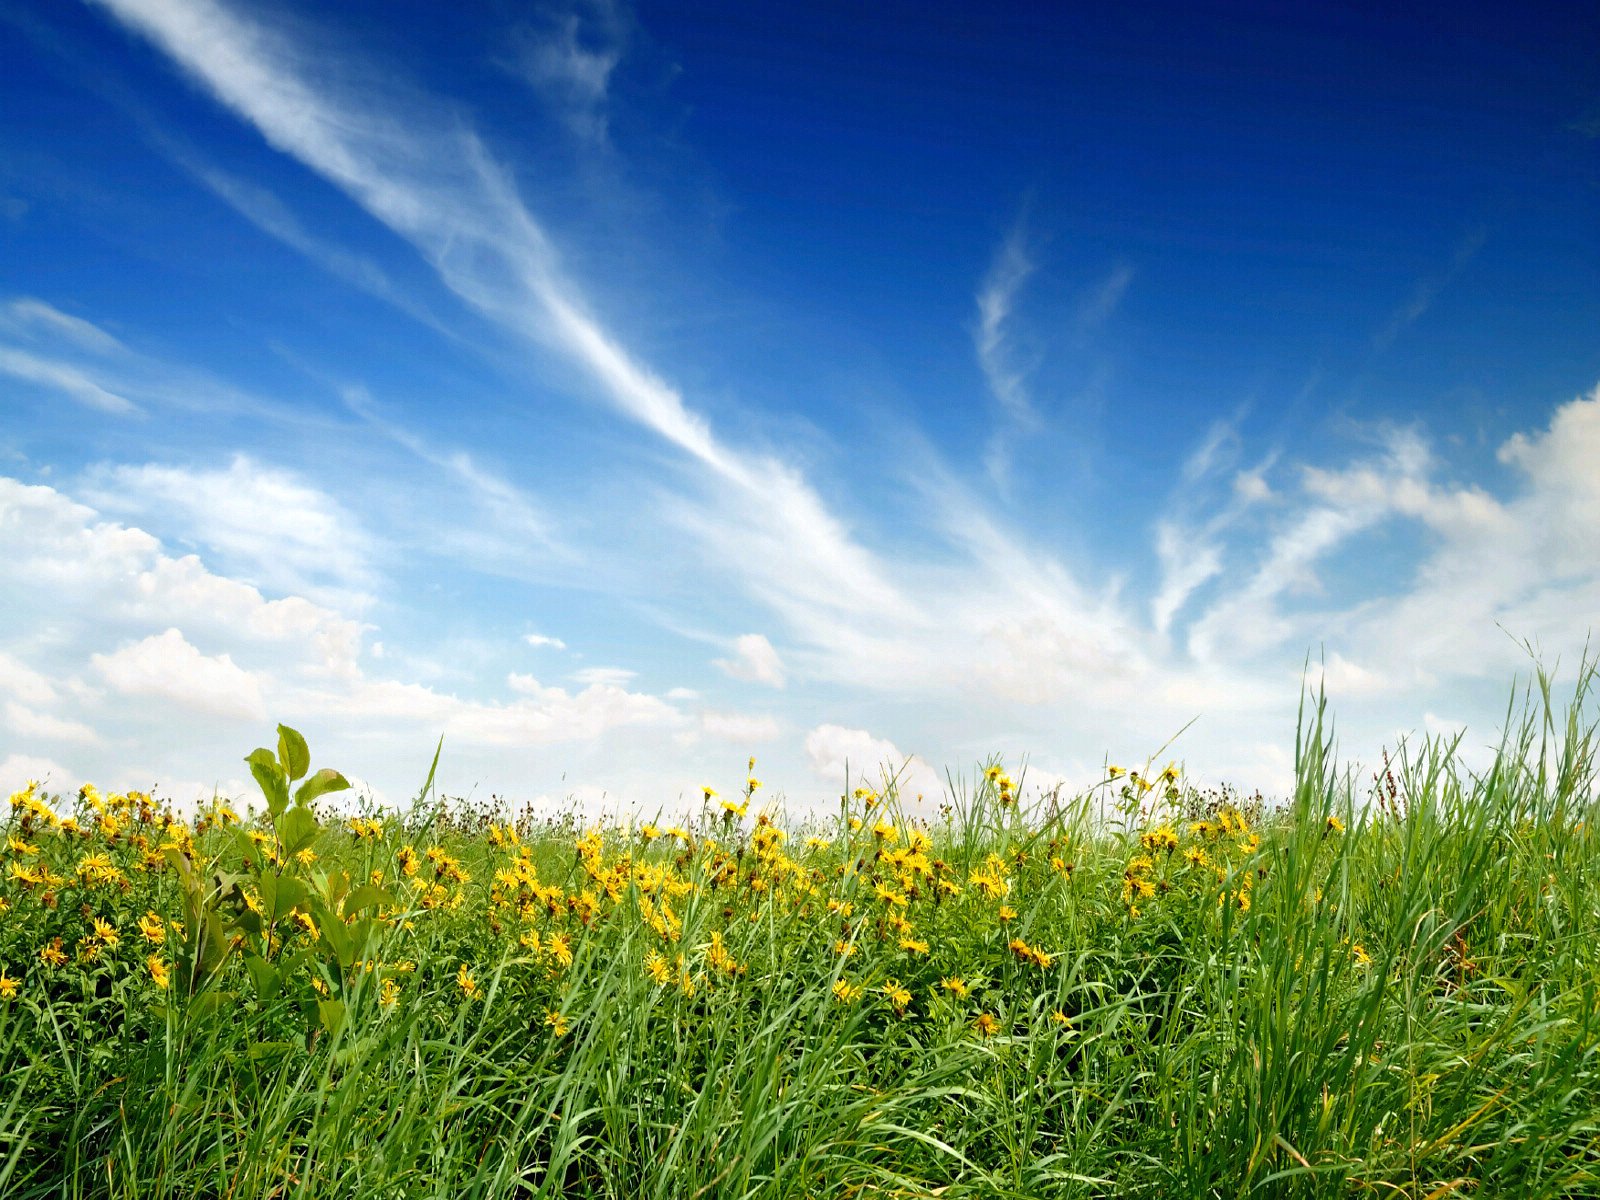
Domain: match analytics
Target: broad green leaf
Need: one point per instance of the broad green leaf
(338, 939)
(264, 975)
(297, 829)
(274, 784)
(324, 781)
(280, 893)
(334, 886)
(331, 1013)
(292, 753)
(248, 850)
(368, 895)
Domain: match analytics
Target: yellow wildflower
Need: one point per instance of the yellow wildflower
(52, 955)
(555, 1022)
(956, 986)
(8, 986)
(986, 1025)
(899, 996)
(159, 973)
(467, 984)
(151, 927)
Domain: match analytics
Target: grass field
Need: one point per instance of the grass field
(1383, 986)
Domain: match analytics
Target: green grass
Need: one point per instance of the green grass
(1407, 1006)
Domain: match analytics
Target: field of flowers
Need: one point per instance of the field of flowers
(1384, 986)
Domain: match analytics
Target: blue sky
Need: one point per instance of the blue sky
(624, 391)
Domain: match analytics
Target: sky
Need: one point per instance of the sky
(623, 392)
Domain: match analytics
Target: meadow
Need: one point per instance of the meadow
(1385, 984)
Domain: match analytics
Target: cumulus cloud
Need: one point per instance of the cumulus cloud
(754, 660)
(263, 522)
(841, 755)
(167, 667)
(539, 640)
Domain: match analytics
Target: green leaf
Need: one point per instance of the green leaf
(338, 939)
(325, 780)
(265, 976)
(297, 829)
(280, 893)
(292, 753)
(427, 785)
(368, 895)
(274, 784)
(331, 1013)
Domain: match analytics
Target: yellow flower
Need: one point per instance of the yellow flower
(986, 1025)
(303, 919)
(389, 993)
(845, 992)
(710, 794)
(956, 986)
(1335, 825)
(159, 974)
(555, 1022)
(465, 981)
(105, 931)
(1061, 1019)
(8, 986)
(559, 947)
(1359, 953)
(52, 955)
(658, 968)
(151, 927)
(912, 946)
(899, 996)
(1007, 913)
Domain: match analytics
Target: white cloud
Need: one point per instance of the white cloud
(840, 755)
(741, 727)
(568, 60)
(264, 522)
(19, 770)
(538, 640)
(996, 298)
(27, 313)
(166, 666)
(64, 378)
(605, 676)
(1105, 299)
(754, 660)
(27, 723)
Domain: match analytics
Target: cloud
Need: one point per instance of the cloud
(27, 313)
(608, 676)
(740, 727)
(264, 522)
(1428, 289)
(18, 770)
(1009, 270)
(568, 58)
(754, 661)
(1104, 301)
(849, 757)
(539, 640)
(66, 379)
(27, 723)
(167, 667)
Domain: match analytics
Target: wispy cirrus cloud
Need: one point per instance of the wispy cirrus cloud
(65, 378)
(567, 56)
(991, 338)
(1429, 288)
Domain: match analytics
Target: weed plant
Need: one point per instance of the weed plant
(1390, 990)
